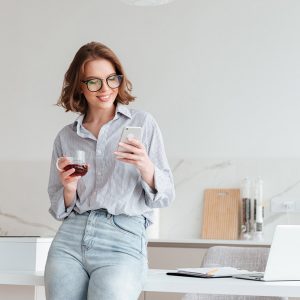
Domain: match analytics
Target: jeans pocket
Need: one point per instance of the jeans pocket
(127, 225)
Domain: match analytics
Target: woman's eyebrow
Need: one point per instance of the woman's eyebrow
(92, 77)
(96, 77)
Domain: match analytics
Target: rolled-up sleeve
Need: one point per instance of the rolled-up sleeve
(164, 192)
(55, 189)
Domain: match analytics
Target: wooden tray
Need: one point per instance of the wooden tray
(221, 214)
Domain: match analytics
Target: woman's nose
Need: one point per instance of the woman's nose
(105, 86)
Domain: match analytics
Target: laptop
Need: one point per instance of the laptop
(284, 256)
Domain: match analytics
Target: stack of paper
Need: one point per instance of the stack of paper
(209, 272)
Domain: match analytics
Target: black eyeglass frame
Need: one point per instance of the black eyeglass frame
(120, 79)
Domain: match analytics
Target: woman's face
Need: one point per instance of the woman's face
(99, 87)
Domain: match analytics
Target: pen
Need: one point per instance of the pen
(211, 272)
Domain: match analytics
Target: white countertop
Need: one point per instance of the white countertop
(158, 281)
(22, 278)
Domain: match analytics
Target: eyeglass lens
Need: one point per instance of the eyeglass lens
(96, 84)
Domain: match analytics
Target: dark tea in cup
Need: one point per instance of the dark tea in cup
(77, 161)
(80, 169)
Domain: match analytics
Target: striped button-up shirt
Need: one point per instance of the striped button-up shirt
(109, 183)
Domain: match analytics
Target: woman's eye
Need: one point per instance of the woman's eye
(92, 82)
(112, 78)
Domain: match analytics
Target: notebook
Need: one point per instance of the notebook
(219, 272)
(284, 259)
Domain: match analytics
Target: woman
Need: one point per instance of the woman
(99, 251)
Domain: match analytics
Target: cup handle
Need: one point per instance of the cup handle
(57, 167)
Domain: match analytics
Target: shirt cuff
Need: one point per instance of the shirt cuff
(148, 190)
(158, 184)
(58, 210)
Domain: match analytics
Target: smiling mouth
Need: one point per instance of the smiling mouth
(103, 98)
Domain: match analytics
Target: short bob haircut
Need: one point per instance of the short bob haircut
(71, 97)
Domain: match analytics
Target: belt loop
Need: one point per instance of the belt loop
(147, 223)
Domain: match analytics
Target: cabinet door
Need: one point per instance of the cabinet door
(161, 296)
(17, 292)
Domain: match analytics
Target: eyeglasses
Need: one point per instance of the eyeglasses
(95, 84)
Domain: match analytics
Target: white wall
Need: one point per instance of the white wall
(221, 77)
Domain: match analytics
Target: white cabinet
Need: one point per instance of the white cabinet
(24, 255)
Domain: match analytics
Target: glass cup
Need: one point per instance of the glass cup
(76, 161)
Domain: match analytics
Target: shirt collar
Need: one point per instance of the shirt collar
(124, 110)
(78, 122)
(120, 109)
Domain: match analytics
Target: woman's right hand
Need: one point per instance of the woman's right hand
(69, 182)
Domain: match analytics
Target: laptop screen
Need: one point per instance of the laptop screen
(284, 259)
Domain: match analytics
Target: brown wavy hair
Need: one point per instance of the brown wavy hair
(71, 97)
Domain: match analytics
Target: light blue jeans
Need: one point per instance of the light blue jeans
(97, 256)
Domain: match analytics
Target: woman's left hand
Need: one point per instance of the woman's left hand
(136, 155)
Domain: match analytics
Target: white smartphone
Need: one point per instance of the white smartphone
(130, 132)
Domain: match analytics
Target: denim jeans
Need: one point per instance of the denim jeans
(97, 256)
